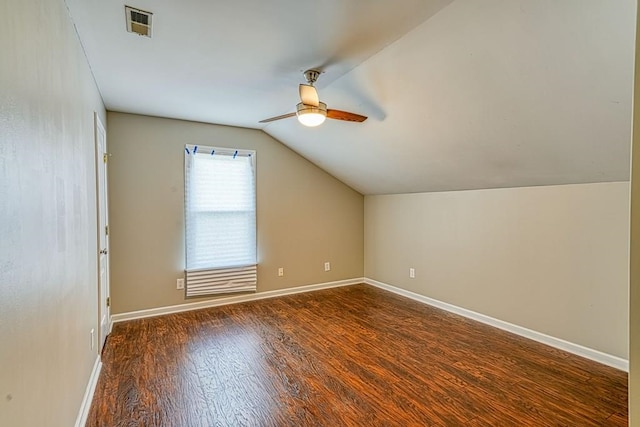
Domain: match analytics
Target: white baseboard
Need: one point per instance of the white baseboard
(121, 317)
(595, 355)
(81, 420)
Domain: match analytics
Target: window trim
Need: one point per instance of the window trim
(227, 279)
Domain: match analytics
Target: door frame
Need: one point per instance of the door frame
(104, 309)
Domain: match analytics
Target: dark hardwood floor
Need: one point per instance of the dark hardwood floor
(351, 356)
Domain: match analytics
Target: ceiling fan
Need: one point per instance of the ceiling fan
(310, 111)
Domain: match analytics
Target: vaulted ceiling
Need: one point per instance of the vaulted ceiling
(460, 94)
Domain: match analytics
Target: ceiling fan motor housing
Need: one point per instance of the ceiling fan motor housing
(308, 109)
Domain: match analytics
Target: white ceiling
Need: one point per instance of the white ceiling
(460, 95)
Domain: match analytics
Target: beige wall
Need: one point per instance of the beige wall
(552, 259)
(634, 291)
(304, 216)
(48, 274)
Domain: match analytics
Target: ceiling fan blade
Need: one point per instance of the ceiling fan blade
(273, 119)
(345, 115)
(309, 95)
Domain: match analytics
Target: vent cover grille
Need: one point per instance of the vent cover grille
(138, 21)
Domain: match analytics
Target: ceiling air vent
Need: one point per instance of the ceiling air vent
(138, 21)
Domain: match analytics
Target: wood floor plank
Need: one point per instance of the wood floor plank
(351, 356)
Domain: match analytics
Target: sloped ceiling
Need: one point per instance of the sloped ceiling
(460, 95)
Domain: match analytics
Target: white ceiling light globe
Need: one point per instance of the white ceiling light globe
(311, 116)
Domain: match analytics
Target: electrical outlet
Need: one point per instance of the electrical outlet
(92, 332)
(412, 273)
(180, 284)
(280, 272)
(327, 266)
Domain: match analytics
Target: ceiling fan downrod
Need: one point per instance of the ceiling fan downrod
(311, 76)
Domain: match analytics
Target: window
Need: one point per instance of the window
(220, 220)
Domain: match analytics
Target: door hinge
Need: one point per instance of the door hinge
(108, 301)
(106, 230)
(105, 156)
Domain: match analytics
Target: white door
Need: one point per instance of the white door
(103, 234)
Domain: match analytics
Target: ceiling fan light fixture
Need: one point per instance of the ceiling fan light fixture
(311, 116)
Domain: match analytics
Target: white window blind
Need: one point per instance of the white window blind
(220, 220)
